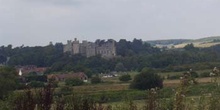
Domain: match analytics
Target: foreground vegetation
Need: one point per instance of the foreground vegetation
(187, 94)
(182, 97)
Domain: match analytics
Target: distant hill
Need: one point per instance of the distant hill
(203, 42)
(168, 42)
(207, 39)
(180, 43)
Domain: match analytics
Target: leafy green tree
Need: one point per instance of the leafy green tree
(74, 82)
(194, 74)
(57, 66)
(137, 46)
(41, 78)
(8, 80)
(146, 80)
(123, 47)
(125, 78)
(205, 74)
(147, 70)
(2, 59)
(96, 80)
(120, 67)
(190, 47)
(36, 84)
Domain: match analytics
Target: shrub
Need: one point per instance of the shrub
(54, 84)
(8, 81)
(194, 74)
(120, 67)
(21, 86)
(74, 82)
(146, 80)
(65, 90)
(96, 80)
(28, 99)
(42, 78)
(36, 84)
(174, 77)
(205, 74)
(125, 78)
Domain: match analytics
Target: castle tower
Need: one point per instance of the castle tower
(107, 49)
(75, 46)
(82, 47)
(68, 47)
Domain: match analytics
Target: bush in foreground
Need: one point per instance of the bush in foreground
(125, 78)
(36, 84)
(8, 81)
(146, 80)
(96, 80)
(74, 82)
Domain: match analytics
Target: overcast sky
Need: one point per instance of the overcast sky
(37, 22)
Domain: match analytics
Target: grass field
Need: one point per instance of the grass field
(179, 73)
(113, 83)
(118, 94)
(89, 89)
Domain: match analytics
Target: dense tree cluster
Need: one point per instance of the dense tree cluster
(96, 80)
(74, 82)
(127, 48)
(40, 56)
(131, 56)
(125, 77)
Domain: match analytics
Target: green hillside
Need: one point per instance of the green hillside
(168, 41)
(207, 39)
(180, 43)
(201, 43)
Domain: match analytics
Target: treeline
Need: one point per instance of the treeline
(131, 56)
(39, 56)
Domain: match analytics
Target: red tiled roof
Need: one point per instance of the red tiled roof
(31, 68)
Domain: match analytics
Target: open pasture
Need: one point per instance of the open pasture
(125, 86)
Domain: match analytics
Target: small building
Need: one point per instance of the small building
(63, 77)
(26, 70)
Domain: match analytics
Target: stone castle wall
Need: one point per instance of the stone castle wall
(105, 49)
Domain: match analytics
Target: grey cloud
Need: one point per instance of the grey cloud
(56, 2)
(37, 22)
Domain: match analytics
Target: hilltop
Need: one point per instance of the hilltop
(180, 43)
(167, 42)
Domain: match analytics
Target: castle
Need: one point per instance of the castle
(106, 49)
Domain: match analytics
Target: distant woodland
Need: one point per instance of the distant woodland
(131, 56)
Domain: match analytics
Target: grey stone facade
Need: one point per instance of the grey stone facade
(75, 46)
(106, 49)
(68, 47)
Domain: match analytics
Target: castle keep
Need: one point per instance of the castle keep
(106, 49)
